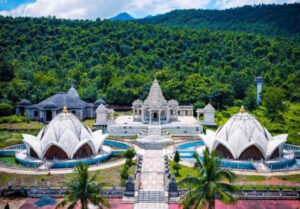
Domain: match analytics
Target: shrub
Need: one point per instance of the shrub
(5, 109)
(13, 119)
(176, 157)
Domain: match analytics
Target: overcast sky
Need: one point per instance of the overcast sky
(92, 9)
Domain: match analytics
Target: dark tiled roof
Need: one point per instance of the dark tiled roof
(60, 100)
(25, 102)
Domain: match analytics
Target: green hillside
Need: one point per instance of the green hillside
(270, 20)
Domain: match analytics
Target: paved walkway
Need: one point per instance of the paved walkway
(152, 181)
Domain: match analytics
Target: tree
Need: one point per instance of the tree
(209, 183)
(176, 157)
(6, 206)
(273, 101)
(5, 109)
(129, 154)
(250, 99)
(176, 167)
(83, 188)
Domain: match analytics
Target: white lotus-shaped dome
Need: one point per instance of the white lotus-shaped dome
(65, 137)
(243, 137)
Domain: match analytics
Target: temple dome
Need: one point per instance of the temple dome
(73, 93)
(243, 137)
(65, 137)
(173, 103)
(25, 102)
(99, 102)
(155, 99)
(137, 103)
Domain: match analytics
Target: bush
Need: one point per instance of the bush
(5, 109)
(130, 153)
(124, 174)
(128, 162)
(13, 119)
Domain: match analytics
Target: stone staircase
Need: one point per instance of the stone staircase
(151, 196)
(261, 167)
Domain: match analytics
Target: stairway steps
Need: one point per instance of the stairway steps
(151, 196)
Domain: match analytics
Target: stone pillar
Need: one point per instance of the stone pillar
(111, 117)
(159, 120)
(143, 119)
(168, 115)
(133, 110)
(150, 114)
(197, 115)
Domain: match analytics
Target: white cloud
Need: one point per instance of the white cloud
(91, 9)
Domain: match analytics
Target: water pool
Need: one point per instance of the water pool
(187, 150)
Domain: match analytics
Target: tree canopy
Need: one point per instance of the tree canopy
(117, 61)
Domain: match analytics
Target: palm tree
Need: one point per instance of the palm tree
(208, 185)
(84, 189)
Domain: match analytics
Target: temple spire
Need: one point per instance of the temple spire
(242, 110)
(65, 110)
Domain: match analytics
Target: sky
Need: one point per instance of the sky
(92, 9)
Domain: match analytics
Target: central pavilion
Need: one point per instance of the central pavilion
(156, 109)
(156, 117)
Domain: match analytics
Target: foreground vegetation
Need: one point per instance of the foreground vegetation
(207, 185)
(83, 188)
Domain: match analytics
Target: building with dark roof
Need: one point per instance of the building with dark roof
(48, 108)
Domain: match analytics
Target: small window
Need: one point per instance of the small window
(36, 113)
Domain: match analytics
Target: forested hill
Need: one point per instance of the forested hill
(271, 20)
(117, 61)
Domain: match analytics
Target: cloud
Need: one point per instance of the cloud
(92, 9)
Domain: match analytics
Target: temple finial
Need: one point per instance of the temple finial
(65, 110)
(242, 110)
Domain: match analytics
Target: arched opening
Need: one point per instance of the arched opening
(22, 111)
(54, 152)
(84, 151)
(224, 152)
(251, 152)
(33, 153)
(155, 116)
(48, 115)
(74, 112)
(275, 153)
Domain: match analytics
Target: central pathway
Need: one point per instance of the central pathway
(152, 189)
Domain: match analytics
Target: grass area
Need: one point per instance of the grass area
(251, 178)
(264, 186)
(8, 138)
(183, 172)
(89, 123)
(292, 178)
(108, 177)
(32, 125)
(9, 161)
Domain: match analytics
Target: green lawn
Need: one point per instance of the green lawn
(108, 177)
(183, 172)
(8, 138)
(292, 178)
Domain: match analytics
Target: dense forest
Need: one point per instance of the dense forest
(117, 61)
(270, 20)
